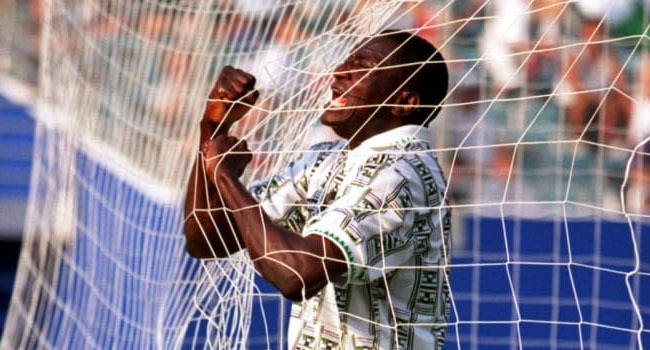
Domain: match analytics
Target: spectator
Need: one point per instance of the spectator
(594, 72)
(639, 127)
(505, 35)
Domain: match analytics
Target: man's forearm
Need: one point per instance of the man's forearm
(209, 230)
(288, 261)
(210, 129)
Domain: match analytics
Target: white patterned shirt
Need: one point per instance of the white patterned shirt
(381, 204)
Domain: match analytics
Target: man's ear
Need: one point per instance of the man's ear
(409, 103)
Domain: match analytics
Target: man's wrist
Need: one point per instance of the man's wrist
(209, 127)
(224, 177)
(235, 195)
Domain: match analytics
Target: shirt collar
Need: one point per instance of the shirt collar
(389, 138)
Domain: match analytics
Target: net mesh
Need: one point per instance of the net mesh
(542, 139)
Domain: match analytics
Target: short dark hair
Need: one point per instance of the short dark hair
(432, 79)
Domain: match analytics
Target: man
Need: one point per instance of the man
(354, 231)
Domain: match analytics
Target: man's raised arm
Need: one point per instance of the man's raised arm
(297, 266)
(209, 230)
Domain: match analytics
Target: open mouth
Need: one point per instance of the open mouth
(337, 99)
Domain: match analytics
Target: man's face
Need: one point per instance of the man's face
(359, 88)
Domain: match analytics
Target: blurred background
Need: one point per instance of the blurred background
(549, 99)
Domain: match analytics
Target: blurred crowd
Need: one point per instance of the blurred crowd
(549, 98)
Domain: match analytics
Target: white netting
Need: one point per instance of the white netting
(543, 140)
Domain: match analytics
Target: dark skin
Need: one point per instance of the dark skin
(204, 208)
(361, 119)
(221, 215)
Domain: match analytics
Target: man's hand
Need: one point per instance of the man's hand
(225, 155)
(231, 96)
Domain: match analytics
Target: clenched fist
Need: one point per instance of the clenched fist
(231, 96)
(225, 154)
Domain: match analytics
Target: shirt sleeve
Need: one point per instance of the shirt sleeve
(283, 196)
(372, 223)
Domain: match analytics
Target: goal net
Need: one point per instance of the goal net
(543, 140)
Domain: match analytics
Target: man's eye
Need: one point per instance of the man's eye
(367, 64)
(357, 62)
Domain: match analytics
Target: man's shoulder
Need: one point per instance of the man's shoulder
(412, 160)
(333, 145)
(410, 153)
(318, 153)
